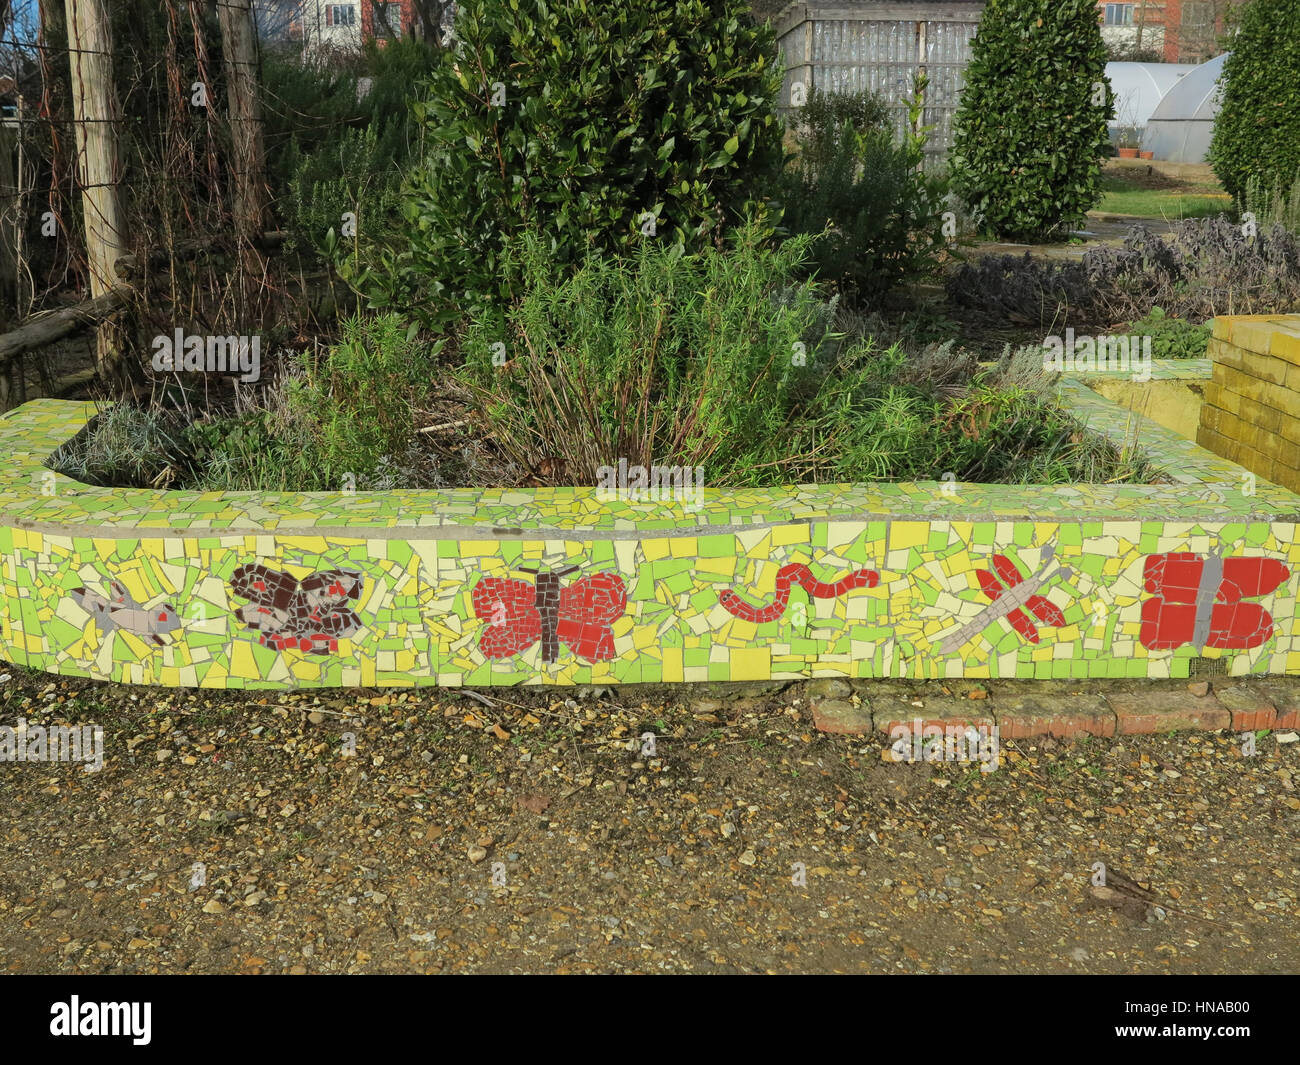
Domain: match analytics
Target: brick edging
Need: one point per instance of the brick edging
(1238, 706)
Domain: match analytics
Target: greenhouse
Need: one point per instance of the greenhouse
(1182, 124)
(1139, 88)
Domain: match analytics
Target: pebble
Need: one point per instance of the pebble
(828, 688)
(836, 707)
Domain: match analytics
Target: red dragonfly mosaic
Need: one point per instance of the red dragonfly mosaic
(788, 576)
(520, 613)
(1200, 599)
(1004, 579)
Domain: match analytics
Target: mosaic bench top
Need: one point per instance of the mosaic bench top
(32, 496)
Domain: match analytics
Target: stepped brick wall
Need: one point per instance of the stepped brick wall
(1251, 413)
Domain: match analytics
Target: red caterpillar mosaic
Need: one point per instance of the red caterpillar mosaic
(786, 577)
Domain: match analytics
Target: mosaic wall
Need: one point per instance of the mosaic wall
(504, 587)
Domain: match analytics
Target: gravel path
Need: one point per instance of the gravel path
(228, 832)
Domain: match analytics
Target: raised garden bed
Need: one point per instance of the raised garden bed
(510, 586)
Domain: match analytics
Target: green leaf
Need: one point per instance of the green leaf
(667, 76)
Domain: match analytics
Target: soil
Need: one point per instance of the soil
(1160, 174)
(528, 830)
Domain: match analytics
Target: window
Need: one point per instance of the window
(1198, 14)
(341, 15)
(1119, 14)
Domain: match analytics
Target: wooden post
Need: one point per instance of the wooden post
(921, 78)
(808, 52)
(249, 162)
(95, 115)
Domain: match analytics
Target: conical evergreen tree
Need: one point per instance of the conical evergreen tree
(1031, 128)
(1257, 132)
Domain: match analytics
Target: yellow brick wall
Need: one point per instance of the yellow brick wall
(1251, 412)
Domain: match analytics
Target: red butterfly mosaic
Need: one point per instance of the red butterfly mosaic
(520, 613)
(1201, 600)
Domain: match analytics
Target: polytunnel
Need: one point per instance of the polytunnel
(1182, 124)
(1139, 87)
